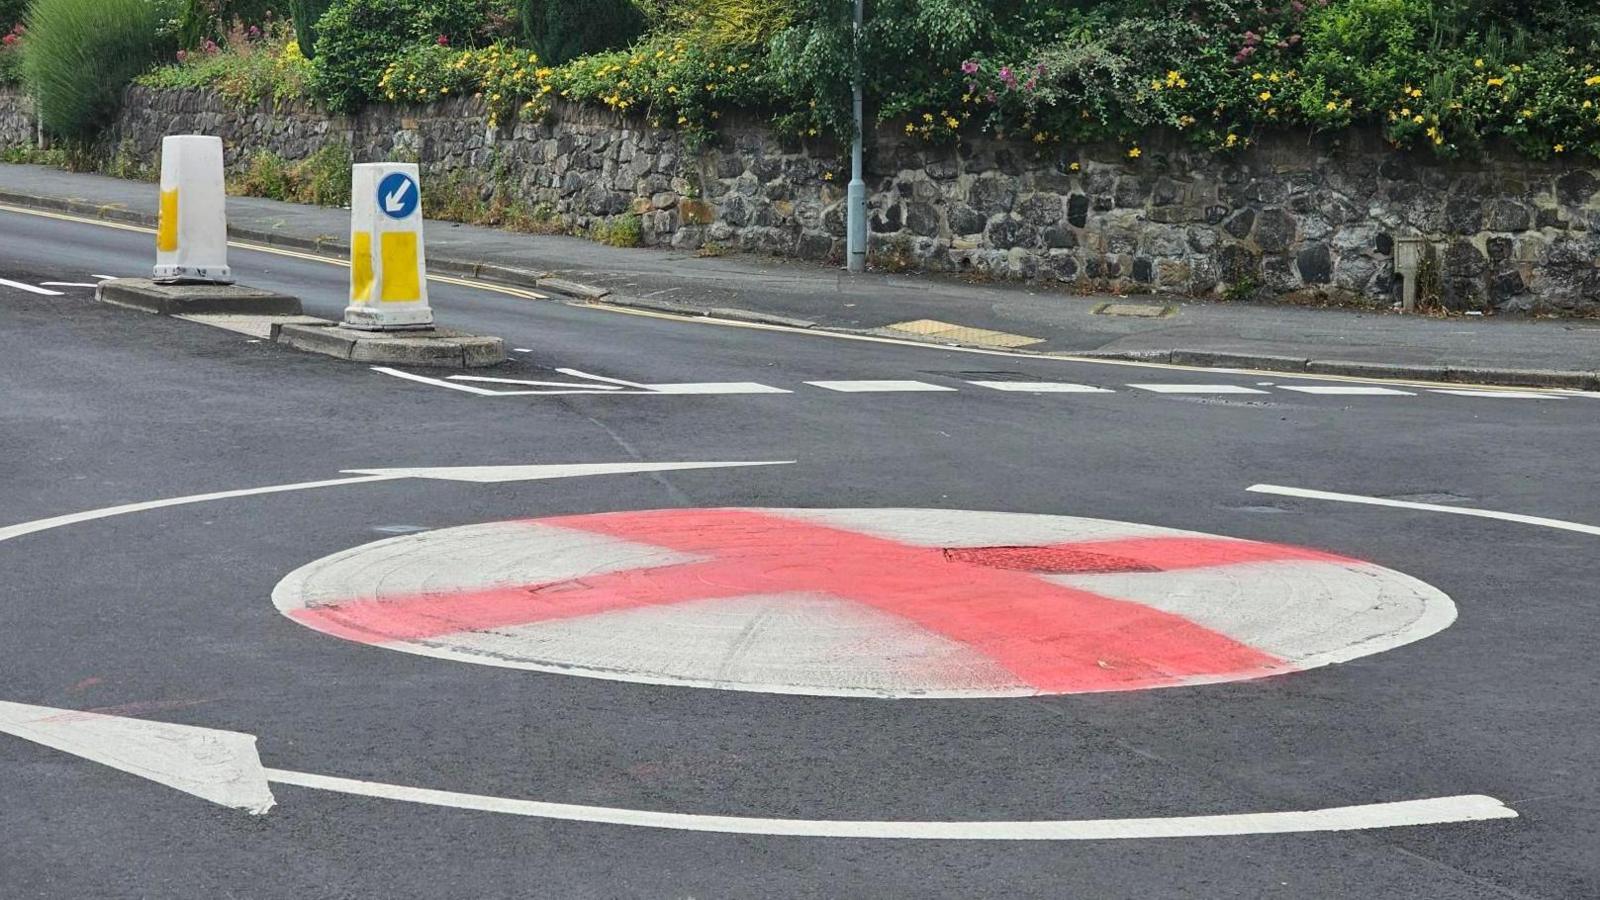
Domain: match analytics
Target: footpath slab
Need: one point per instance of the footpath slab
(930, 308)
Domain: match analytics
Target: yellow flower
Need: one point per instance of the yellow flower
(1232, 140)
(1074, 167)
(1526, 114)
(1135, 153)
(1264, 96)
(953, 122)
(1592, 80)
(1405, 111)
(1274, 78)
(1561, 148)
(1039, 137)
(1588, 103)
(1417, 120)
(1155, 85)
(1478, 63)
(827, 176)
(1495, 82)
(1416, 92)
(1256, 76)
(910, 128)
(1332, 105)
(927, 117)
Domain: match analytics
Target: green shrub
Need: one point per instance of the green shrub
(322, 178)
(79, 55)
(561, 30)
(626, 230)
(305, 14)
(244, 72)
(11, 12)
(358, 39)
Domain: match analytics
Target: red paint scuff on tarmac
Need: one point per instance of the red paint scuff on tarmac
(1054, 638)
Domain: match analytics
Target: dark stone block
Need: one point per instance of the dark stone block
(1240, 225)
(1215, 214)
(1385, 244)
(1316, 264)
(922, 219)
(887, 221)
(1275, 230)
(1078, 210)
(1576, 188)
(966, 220)
(1463, 215)
(1462, 260)
(1143, 271)
(1057, 237)
(1505, 286)
(991, 194)
(1011, 232)
(1500, 249)
(1041, 210)
(1238, 264)
(1131, 192)
(1507, 215)
(1104, 204)
(1550, 217)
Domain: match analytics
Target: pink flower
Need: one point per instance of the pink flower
(1008, 76)
(210, 47)
(970, 67)
(1031, 84)
(183, 56)
(443, 40)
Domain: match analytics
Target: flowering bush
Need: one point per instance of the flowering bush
(509, 79)
(250, 66)
(358, 39)
(1418, 69)
(11, 54)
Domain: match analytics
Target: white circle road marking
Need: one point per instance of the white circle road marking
(1438, 810)
(895, 603)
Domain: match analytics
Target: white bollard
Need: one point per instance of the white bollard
(192, 237)
(388, 270)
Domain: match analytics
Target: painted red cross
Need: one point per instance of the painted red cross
(1054, 638)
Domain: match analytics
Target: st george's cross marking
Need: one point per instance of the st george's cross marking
(875, 602)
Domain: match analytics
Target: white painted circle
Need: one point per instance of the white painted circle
(863, 602)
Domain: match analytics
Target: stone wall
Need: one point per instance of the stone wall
(17, 123)
(1309, 217)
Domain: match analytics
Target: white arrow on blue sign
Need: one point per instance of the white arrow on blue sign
(398, 196)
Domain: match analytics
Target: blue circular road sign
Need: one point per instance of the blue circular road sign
(398, 195)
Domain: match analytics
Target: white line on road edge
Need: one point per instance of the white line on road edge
(82, 284)
(1196, 389)
(879, 387)
(29, 288)
(1425, 507)
(1434, 811)
(575, 373)
(485, 379)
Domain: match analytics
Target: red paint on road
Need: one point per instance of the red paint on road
(1053, 638)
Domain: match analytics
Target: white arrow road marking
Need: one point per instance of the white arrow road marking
(575, 373)
(1425, 507)
(29, 288)
(395, 202)
(220, 766)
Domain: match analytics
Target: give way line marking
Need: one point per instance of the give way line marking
(225, 767)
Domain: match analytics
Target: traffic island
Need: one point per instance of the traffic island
(434, 347)
(190, 299)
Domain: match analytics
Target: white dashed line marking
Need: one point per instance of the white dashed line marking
(1508, 395)
(1197, 388)
(866, 387)
(1042, 387)
(1347, 390)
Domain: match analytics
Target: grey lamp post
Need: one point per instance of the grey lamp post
(856, 200)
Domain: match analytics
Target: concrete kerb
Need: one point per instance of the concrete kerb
(579, 292)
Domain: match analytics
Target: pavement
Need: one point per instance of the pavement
(938, 309)
(983, 626)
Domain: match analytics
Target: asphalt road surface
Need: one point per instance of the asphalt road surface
(802, 664)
